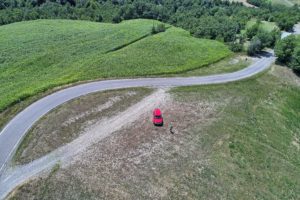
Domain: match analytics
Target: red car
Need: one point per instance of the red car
(157, 117)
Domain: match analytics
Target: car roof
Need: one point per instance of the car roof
(157, 111)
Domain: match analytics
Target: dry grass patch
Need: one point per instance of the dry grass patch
(139, 162)
(70, 120)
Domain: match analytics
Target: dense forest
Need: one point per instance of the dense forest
(214, 19)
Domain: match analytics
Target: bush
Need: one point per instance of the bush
(284, 49)
(116, 19)
(295, 60)
(235, 47)
(286, 23)
(158, 29)
(253, 30)
(254, 47)
(268, 39)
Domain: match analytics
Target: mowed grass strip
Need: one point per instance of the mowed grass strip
(38, 55)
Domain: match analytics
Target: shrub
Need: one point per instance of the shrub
(268, 39)
(295, 60)
(116, 19)
(285, 48)
(254, 47)
(252, 31)
(158, 29)
(235, 47)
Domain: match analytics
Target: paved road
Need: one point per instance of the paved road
(296, 31)
(16, 129)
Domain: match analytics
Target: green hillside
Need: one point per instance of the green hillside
(38, 55)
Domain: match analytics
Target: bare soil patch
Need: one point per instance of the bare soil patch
(70, 120)
(140, 161)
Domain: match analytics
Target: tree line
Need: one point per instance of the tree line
(213, 19)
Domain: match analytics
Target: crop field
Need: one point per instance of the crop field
(38, 55)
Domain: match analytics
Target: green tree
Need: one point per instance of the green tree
(253, 30)
(285, 23)
(295, 60)
(285, 48)
(268, 39)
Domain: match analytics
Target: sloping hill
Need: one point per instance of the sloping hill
(42, 54)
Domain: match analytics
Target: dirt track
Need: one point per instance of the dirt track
(136, 162)
(67, 154)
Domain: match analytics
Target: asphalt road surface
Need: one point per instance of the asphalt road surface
(15, 130)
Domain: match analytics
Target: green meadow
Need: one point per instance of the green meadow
(38, 55)
(266, 26)
(285, 2)
(254, 144)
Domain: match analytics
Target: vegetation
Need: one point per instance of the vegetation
(261, 35)
(48, 53)
(288, 52)
(67, 122)
(261, 25)
(255, 46)
(216, 19)
(232, 141)
(251, 155)
(226, 65)
(285, 2)
(158, 29)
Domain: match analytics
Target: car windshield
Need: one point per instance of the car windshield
(157, 116)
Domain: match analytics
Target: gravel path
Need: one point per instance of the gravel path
(67, 154)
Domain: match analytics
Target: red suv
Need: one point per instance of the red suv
(157, 117)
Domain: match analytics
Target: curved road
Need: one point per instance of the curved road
(15, 130)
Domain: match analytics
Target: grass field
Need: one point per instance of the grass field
(42, 54)
(267, 26)
(286, 2)
(232, 141)
(255, 144)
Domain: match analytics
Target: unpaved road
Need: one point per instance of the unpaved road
(15, 130)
